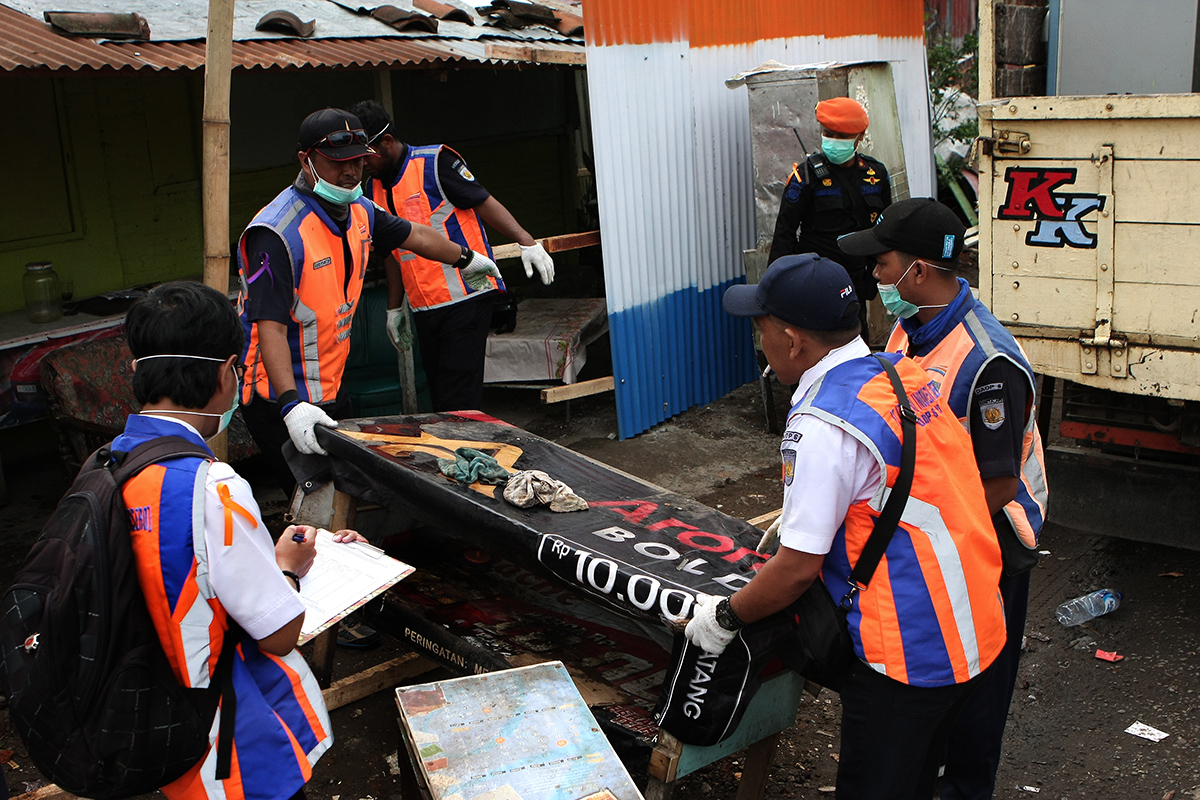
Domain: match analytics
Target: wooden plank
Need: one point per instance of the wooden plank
(553, 244)
(50, 791)
(381, 676)
(558, 394)
(758, 765)
(664, 758)
(765, 519)
(324, 646)
(535, 55)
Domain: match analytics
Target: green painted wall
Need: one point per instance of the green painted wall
(106, 180)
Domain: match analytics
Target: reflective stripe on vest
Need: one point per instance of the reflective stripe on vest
(957, 361)
(165, 501)
(323, 304)
(932, 614)
(418, 196)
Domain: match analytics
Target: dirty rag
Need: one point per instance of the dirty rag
(472, 466)
(528, 487)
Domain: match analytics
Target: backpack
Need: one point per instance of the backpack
(90, 690)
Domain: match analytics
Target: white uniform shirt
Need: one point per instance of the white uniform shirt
(830, 468)
(244, 575)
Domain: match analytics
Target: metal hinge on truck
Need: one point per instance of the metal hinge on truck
(1012, 143)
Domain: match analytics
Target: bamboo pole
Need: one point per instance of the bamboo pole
(218, 66)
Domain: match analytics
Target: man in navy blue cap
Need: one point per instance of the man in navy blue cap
(930, 622)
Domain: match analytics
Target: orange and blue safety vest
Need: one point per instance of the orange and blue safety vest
(417, 195)
(324, 296)
(281, 726)
(954, 347)
(932, 614)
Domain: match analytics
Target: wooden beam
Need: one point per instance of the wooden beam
(557, 394)
(377, 678)
(553, 244)
(758, 765)
(50, 791)
(218, 69)
(535, 55)
(765, 519)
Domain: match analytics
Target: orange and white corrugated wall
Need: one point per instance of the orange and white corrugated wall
(674, 176)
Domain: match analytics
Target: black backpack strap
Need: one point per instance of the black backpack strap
(164, 448)
(224, 679)
(125, 466)
(893, 509)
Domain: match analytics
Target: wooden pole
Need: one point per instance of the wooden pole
(218, 66)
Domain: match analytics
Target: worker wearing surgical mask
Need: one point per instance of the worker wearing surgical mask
(834, 191)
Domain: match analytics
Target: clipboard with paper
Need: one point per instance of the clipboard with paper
(343, 577)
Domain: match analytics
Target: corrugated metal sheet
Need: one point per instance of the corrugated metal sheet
(953, 18)
(187, 20)
(674, 173)
(28, 45)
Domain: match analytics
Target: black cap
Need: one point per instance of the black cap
(320, 124)
(807, 291)
(921, 227)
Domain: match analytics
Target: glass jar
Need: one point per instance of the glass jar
(43, 302)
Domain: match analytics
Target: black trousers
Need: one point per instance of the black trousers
(973, 752)
(270, 432)
(893, 735)
(453, 342)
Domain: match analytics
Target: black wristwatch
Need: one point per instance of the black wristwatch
(727, 618)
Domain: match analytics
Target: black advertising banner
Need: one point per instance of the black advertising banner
(639, 548)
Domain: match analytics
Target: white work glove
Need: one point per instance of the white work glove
(536, 257)
(478, 270)
(301, 422)
(770, 539)
(399, 327)
(703, 630)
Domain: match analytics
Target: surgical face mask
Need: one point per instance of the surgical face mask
(839, 151)
(331, 192)
(224, 417)
(896, 305)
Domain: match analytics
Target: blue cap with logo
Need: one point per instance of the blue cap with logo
(805, 290)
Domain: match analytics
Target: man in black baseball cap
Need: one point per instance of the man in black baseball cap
(989, 384)
(302, 261)
(335, 134)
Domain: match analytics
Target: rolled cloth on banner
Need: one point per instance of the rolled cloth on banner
(532, 486)
(472, 466)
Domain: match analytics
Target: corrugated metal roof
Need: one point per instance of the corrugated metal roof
(28, 45)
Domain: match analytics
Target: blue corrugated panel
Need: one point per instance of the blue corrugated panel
(676, 352)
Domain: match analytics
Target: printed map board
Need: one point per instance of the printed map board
(518, 734)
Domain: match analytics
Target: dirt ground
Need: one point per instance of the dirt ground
(1065, 737)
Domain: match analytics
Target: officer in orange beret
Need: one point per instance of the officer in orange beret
(836, 191)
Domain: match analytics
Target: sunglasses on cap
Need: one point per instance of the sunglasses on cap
(382, 131)
(343, 138)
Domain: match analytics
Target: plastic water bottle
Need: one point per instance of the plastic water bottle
(1081, 609)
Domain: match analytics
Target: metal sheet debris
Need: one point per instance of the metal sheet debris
(1146, 732)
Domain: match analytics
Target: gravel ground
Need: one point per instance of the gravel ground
(1065, 737)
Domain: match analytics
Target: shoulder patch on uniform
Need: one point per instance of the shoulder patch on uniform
(789, 465)
(460, 167)
(792, 436)
(992, 412)
(793, 192)
(991, 387)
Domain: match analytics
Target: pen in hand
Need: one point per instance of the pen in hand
(298, 537)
